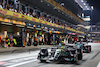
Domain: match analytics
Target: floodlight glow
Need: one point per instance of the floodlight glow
(81, 0)
(84, 3)
(41, 0)
(86, 6)
(92, 7)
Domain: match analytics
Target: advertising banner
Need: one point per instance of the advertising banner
(21, 16)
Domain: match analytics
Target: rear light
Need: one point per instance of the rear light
(81, 52)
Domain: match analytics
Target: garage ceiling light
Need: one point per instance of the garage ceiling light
(41, 0)
(20, 26)
(6, 23)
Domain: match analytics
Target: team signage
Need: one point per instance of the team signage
(18, 15)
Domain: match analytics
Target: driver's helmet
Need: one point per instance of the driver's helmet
(62, 41)
(62, 47)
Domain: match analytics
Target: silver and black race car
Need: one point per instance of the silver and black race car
(60, 53)
(86, 48)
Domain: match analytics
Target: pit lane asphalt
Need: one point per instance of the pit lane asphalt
(30, 60)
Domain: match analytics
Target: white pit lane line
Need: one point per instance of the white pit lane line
(98, 64)
(17, 58)
(18, 64)
(22, 63)
(31, 54)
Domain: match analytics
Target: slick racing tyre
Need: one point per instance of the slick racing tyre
(90, 49)
(80, 54)
(43, 61)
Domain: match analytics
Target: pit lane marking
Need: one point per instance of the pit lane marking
(19, 61)
(98, 64)
(22, 63)
(95, 55)
(1, 63)
(17, 58)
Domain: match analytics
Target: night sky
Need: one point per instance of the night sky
(96, 11)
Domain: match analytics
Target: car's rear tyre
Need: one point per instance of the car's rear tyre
(80, 56)
(43, 61)
(90, 49)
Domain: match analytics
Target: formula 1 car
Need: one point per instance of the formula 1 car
(60, 53)
(86, 48)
